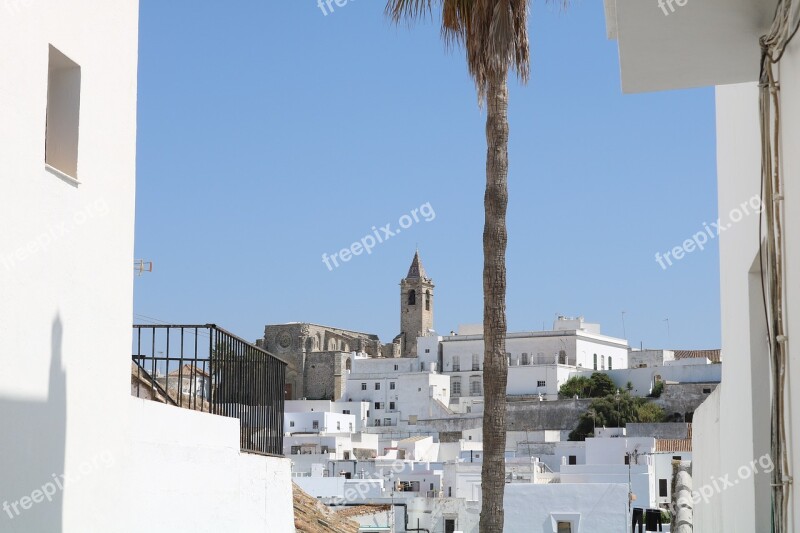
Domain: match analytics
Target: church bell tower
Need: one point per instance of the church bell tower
(416, 306)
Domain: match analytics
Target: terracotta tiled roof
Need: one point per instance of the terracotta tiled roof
(311, 516)
(362, 510)
(715, 356)
(673, 445)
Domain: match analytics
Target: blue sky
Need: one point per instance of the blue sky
(270, 134)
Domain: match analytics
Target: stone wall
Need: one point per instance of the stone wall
(535, 415)
(324, 375)
(298, 343)
(680, 400)
(678, 430)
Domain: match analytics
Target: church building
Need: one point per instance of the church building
(318, 356)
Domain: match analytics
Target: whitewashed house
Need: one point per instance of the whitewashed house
(68, 153)
(539, 361)
(717, 43)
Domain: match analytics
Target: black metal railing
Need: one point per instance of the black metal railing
(208, 369)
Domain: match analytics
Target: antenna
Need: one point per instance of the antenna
(140, 266)
(669, 340)
(624, 334)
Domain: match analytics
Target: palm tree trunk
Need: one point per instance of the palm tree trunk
(495, 365)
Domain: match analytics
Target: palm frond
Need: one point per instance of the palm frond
(494, 33)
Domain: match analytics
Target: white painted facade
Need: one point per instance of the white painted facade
(68, 151)
(643, 379)
(595, 508)
(319, 422)
(539, 361)
(357, 409)
(398, 392)
(198, 457)
(732, 427)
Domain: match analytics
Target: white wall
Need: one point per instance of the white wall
(744, 421)
(594, 508)
(65, 317)
(524, 380)
(186, 472)
(66, 254)
(643, 379)
(326, 422)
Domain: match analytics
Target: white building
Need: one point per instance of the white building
(539, 361)
(732, 428)
(319, 422)
(358, 409)
(399, 391)
(68, 150)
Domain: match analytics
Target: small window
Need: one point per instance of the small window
(475, 388)
(391, 385)
(595, 361)
(363, 386)
(456, 387)
(291, 423)
(627, 459)
(315, 424)
(427, 300)
(427, 350)
(573, 459)
(377, 422)
(475, 362)
(387, 421)
(391, 406)
(377, 386)
(412, 297)
(63, 114)
(563, 527)
(676, 457)
(541, 383)
(338, 426)
(662, 488)
(351, 427)
(707, 390)
(378, 405)
(610, 364)
(395, 367)
(524, 361)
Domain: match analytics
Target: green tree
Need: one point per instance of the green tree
(601, 385)
(494, 34)
(615, 410)
(576, 385)
(650, 412)
(596, 386)
(658, 389)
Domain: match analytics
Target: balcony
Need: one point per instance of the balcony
(208, 369)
